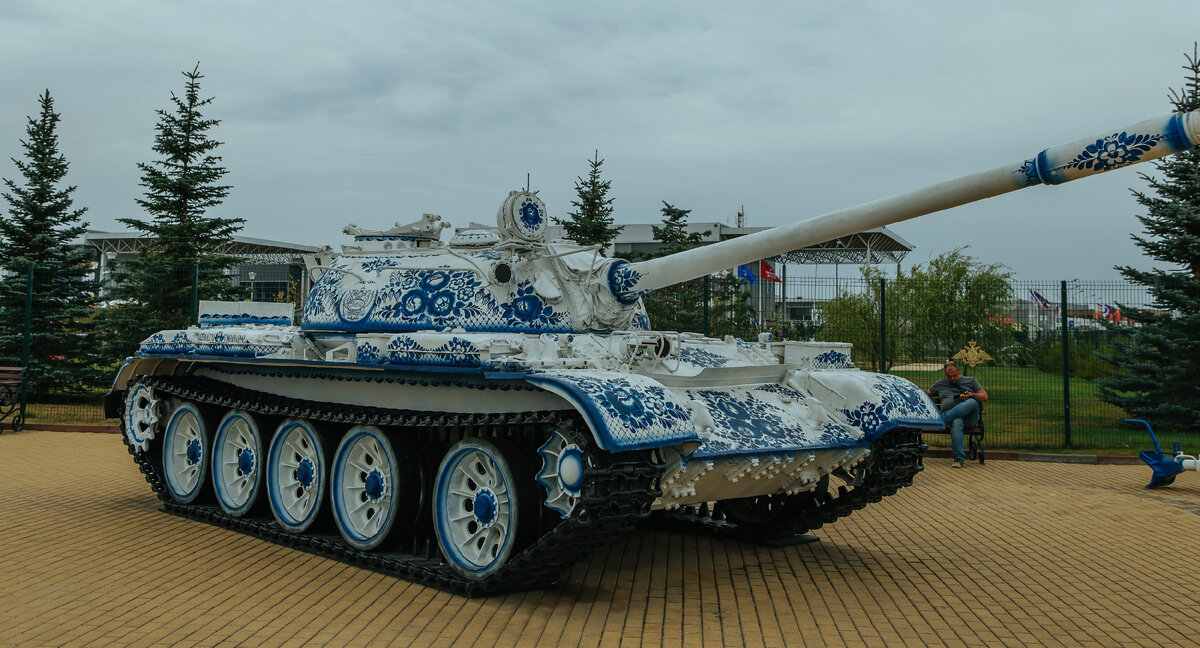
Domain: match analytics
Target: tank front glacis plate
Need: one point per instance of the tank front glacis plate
(395, 299)
(870, 402)
(766, 418)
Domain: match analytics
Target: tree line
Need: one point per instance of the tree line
(1155, 365)
(73, 344)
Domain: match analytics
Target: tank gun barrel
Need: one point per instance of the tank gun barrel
(1140, 142)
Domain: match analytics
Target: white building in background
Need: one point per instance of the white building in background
(268, 268)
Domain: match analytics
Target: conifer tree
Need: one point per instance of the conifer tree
(591, 223)
(679, 307)
(180, 187)
(1156, 373)
(39, 227)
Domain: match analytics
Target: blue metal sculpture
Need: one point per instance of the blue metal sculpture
(1166, 465)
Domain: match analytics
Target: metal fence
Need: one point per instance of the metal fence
(1036, 347)
(1038, 350)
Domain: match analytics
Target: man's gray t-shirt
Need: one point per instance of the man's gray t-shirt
(946, 393)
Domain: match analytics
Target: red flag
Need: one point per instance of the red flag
(767, 272)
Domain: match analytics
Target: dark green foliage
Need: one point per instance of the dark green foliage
(39, 226)
(679, 307)
(949, 302)
(730, 312)
(1156, 373)
(933, 311)
(592, 221)
(155, 288)
(1088, 349)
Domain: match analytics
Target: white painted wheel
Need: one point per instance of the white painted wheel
(185, 453)
(143, 412)
(365, 476)
(483, 505)
(296, 475)
(562, 472)
(237, 463)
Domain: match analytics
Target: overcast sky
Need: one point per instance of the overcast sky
(376, 112)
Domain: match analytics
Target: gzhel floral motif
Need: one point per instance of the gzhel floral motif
(702, 357)
(831, 360)
(621, 281)
(527, 308)
(1116, 150)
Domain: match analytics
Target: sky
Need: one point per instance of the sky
(376, 112)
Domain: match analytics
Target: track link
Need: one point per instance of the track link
(618, 491)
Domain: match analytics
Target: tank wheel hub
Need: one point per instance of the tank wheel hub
(193, 452)
(562, 472)
(375, 486)
(484, 507)
(305, 473)
(245, 462)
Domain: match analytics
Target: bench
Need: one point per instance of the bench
(972, 438)
(12, 401)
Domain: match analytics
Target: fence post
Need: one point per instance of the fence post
(195, 295)
(26, 345)
(707, 298)
(883, 325)
(1066, 358)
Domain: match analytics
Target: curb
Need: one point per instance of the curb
(72, 427)
(1008, 455)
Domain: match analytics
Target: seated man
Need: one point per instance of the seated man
(958, 397)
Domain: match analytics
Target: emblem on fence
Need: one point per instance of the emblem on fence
(972, 355)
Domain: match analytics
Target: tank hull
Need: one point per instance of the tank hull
(710, 421)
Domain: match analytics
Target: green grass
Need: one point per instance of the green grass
(85, 413)
(1025, 411)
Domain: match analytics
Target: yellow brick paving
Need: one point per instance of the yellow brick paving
(1007, 554)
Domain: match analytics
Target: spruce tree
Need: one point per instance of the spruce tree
(1156, 374)
(679, 307)
(39, 227)
(591, 223)
(154, 289)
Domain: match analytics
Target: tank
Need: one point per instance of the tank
(480, 413)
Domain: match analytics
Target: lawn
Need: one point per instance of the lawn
(1025, 411)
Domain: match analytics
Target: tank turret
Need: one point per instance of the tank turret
(478, 414)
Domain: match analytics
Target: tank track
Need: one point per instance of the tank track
(897, 458)
(618, 492)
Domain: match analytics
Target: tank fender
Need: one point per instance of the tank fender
(873, 403)
(134, 366)
(624, 411)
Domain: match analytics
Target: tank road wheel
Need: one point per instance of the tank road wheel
(375, 485)
(143, 411)
(485, 505)
(296, 475)
(237, 463)
(770, 516)
(185, 453)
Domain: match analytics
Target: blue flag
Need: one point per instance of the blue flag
(744, 272)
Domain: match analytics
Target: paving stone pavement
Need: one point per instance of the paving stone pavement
(1007, 554)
